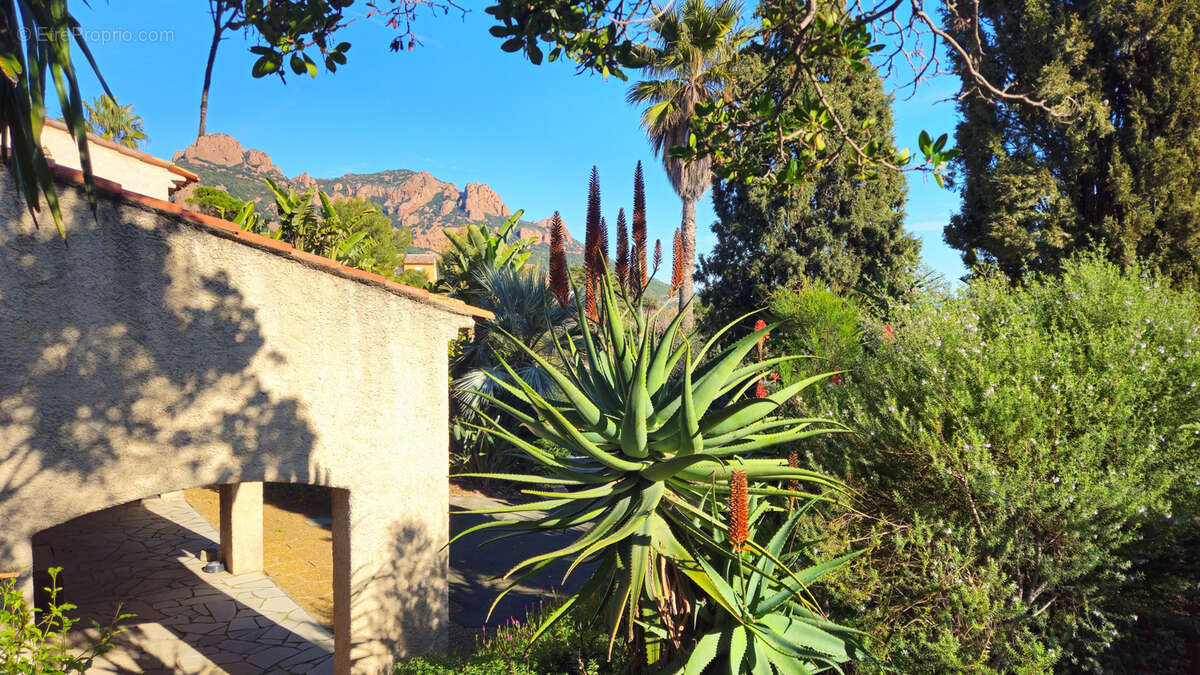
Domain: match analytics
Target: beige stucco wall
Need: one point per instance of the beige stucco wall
(145, 355)
(133, 174)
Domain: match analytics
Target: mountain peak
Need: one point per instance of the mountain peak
(416, 199)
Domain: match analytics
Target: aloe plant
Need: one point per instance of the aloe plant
(760, 616)
(653, 429)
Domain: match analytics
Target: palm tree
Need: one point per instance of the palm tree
(696, 47)
(116, 122)
(527, 311)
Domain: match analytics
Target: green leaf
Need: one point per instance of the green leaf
(702, 654)
(737, 649)
(265, 65)
(795, 632)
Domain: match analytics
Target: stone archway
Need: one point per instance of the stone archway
(143, 558)
(160, 349)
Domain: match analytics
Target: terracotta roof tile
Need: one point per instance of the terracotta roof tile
(228, 230)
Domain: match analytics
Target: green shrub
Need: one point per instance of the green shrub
(38, 644)
(577, 643)
(1032, 491)
(818, 322)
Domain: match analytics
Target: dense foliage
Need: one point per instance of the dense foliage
(1033, 499)
(115, 122)
(663, 445)
(838, 228)
(476, 250)
(819, 322)
(1121, 172)
(215, 202)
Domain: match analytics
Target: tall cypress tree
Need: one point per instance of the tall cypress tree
(840, 229)
(1118, 170)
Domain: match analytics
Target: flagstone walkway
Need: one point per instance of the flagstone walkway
(144, 557)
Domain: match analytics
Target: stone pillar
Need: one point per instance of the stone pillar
(389, 580)
(340, 511)
(242, 527)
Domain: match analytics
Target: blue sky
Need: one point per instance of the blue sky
(456, 106)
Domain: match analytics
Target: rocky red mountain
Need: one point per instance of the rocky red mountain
(410, 198)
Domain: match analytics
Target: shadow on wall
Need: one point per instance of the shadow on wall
(111, 344)
(404, 595)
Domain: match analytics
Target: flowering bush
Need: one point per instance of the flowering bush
(1037, 493)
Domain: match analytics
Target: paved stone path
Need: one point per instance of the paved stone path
(143, 556)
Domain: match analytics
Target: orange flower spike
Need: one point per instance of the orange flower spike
(759, 325)
(759, 390)
(739, 510)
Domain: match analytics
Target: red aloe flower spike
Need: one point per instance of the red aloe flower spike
(759, 390)
(739, 510)
(637, 272)
(560, 283)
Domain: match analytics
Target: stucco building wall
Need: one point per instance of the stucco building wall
(135, 171)
(151, 352)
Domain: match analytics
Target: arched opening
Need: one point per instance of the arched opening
(270, 614)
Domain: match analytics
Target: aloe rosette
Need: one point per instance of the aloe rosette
(652, 430)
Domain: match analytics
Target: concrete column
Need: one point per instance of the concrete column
(242, 527)
(342, 639)
(389, 579)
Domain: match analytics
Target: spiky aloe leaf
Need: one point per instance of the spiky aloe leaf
(664, 438)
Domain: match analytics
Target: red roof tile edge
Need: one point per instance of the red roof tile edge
(228, 230)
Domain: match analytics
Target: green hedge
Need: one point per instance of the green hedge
(1029, 491)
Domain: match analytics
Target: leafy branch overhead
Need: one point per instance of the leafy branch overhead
(612, 37)
(733, 128)
(602, 36)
